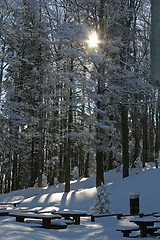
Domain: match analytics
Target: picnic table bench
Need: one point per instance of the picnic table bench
(46, 219)
(93, 216)
(126, 231)
(4, 212)
(157, 215)
(118, 215)
(10, 203)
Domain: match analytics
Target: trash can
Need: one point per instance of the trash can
(134, 204)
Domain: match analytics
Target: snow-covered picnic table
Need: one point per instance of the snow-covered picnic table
(46, 218)
(76, 215)
(146, 225)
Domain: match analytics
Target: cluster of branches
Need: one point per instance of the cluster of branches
(64, 106)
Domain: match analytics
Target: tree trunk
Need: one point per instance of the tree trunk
(100, 91)
(67, 167)
(69, 142)
(157, 136)
(151, 143)
(86, 167)
(99, 168)
(125, 157)
(155, 38)
(145, 139)
(14, 172)
(136, 134)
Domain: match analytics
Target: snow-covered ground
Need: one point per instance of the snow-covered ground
(145, 182)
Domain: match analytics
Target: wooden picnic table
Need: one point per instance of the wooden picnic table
(46, 219)
(76, 215)
(146, 226)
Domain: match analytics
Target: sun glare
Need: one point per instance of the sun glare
(93, 40)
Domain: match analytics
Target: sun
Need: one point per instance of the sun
(93, 40)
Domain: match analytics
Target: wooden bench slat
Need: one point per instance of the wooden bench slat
(57, 226)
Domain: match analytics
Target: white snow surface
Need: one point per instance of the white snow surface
(144, 182)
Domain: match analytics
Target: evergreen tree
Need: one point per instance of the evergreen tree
(102, 202)
(66, 106)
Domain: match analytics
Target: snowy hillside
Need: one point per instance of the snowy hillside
(82, 197)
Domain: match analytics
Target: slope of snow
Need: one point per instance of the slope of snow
(146, 184)
(82, 197)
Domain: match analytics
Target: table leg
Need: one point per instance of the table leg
(46, 223)
(143, 231)
(19, 219)
(77, 220)
(92, 218)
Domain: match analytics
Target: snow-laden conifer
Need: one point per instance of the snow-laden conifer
(102, 202)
